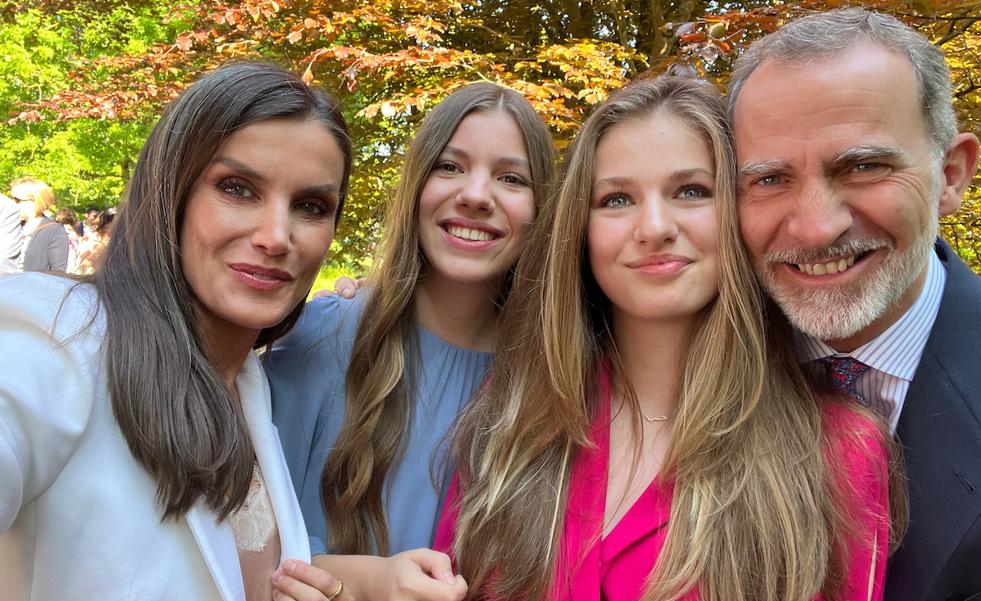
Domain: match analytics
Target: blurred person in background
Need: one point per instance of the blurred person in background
(45, 241)
(11, 234)
(66, 217)
(95, 240)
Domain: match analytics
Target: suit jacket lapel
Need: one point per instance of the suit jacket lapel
(217, 544)
(941, 436)
(254, 391)
(216, 540)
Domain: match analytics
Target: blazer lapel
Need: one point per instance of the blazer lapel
(217, 544)
(941, 437)
(253, 389)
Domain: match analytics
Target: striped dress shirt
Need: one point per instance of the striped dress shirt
(894, 355)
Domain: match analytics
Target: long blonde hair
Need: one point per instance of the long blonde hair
(753, 514)
(379, 378)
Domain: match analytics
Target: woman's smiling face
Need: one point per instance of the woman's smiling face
(477, 202)
(259, 221)
(652, 236)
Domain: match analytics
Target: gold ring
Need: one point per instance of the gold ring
(337, 593)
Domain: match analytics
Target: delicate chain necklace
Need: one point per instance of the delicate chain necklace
(656, 418)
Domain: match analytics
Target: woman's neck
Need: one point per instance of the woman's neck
(462, 314)
(653, 355)
(227, 347)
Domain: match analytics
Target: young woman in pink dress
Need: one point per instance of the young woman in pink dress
(646, 432)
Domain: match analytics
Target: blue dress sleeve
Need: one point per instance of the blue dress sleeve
(306, 372)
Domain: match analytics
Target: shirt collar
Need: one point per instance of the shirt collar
(909, 333)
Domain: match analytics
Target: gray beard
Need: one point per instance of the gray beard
(843, 312)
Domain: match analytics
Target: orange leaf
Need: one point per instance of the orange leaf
(308, 75)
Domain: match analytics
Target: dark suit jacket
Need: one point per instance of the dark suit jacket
(940, 431)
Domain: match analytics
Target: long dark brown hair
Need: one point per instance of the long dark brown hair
(176, 413)
(378, 381)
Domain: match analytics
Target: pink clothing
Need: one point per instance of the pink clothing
(616, 567)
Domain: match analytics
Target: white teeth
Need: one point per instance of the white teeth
(469, 234)
(831, 267)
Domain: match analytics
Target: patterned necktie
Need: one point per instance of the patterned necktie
(840, 376)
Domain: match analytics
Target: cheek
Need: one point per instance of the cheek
(521, 216)
(600, 246)
(429, 197)
(313, 244)
(753, 224)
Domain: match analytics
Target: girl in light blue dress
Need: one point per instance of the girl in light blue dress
(365, 390)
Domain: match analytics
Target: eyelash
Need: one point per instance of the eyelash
(238, 188)
(323, 209)
(227, 184)
(447, 166)
(609, 199)
(511, 179)
(703, 192)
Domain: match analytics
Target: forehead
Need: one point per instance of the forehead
(652, 141)
(495, 123)
(865, 95)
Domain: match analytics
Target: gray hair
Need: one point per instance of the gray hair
(826, 34)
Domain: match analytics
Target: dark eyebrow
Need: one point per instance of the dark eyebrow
(862, 154)
(241, 168)
(762, 168)
(323, 190)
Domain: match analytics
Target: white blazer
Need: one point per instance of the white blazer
(77, 512)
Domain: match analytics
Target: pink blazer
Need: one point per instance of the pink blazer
(616, 567)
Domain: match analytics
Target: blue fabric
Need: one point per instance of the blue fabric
(307, 370)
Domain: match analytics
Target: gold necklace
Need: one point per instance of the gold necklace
(655, 419)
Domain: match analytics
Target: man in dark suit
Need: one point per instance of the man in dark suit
(848, 151)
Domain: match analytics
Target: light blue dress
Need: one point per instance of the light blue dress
(307, 370)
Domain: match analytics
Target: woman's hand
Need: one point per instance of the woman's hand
(417, 575)
(299, 581)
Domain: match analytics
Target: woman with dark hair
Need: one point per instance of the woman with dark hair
(365, 391)
(138, 459)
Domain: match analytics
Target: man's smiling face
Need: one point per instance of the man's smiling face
(839, 189)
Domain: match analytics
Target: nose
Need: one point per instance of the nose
(656, 223)
(476, 193)
(272, 232)
(818, 216)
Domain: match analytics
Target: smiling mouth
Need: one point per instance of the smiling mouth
(473, 235)
(834, 266)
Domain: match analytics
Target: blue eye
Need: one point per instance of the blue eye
(694, 191)
(769, 180)
(867, 167)
(616, 201)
